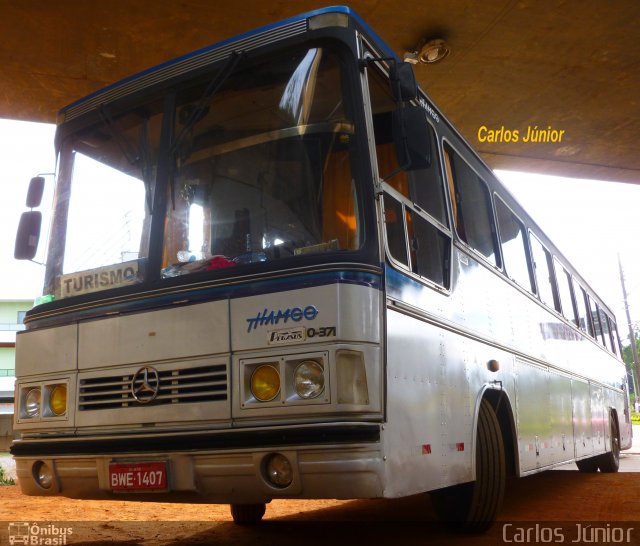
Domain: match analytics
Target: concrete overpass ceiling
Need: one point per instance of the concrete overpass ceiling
(573, 65)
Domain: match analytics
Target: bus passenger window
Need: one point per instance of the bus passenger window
(564, 288)
(617, 346)
(429, 249)
(394, 221)
(581, 303)
(472, 203)
(595, 318)
(606, 334)
(543, 269)
(514, 246)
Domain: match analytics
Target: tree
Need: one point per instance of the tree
(627, 357)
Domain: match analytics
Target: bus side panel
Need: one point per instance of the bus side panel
(533, 412)
(560, 446)
(428, 406)
(597, 418)
(581, 418)
(544, 416)
(434, 379)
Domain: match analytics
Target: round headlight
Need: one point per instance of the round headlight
(279, 470)
(32, 403)
(43, 474)
(309, 379)
(265, 383)
(58, 399)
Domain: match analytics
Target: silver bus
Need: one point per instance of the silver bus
(275, 270)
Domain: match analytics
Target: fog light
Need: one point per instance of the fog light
(43, 474)
(278, 470)
(58, 400)
(309, 379)
(265, 383)
(32, 403)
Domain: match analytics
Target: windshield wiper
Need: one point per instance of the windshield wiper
(200, 109)
(137, 157)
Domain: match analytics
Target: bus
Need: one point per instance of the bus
(275, 270)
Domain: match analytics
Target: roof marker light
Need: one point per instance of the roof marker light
(325, 20)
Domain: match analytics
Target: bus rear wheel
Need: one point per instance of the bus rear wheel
(474, 506)
(610, 461)
(588, 465)
(247, 514)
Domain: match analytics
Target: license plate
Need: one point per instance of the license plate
(138, 476)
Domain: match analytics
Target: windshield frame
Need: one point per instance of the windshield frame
(345, 50)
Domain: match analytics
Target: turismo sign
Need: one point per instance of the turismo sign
(93, 280)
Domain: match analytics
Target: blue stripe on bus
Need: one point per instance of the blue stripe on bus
(213, 292)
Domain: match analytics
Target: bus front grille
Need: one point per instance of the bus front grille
(144, 388)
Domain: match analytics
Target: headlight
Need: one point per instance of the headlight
(278, 470)
(309, 379)
(43, 401)
(32, 403)
(58, 399)
(43, 474)
(265, 383)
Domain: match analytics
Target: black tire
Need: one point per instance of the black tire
(474, 506)
(247, 514)
(588, 465)
(610, 461)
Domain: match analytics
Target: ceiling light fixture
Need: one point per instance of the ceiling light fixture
(428, 52)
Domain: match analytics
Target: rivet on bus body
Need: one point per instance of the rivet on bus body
(493, 365)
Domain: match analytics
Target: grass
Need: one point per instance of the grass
(635, 418)
(4, 479)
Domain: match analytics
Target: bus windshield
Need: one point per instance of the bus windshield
(258, 169)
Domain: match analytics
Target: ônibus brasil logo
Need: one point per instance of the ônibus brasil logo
(40, 534)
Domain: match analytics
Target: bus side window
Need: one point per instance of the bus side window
(617, 346)
(472, 206)
(543, 268)
(563, 279)
(606, 332)
(515, 254)
(581, 303)
(429, 248)
(595, 318)
(394, 222)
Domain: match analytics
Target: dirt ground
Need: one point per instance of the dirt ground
(556, 504)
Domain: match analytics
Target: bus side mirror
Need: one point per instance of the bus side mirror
(403, 82)
(412, 138)
(28, 235)
(35, 191)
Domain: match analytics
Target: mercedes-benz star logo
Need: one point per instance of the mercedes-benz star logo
(145, 384)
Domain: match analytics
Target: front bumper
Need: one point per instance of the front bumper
(337, 461)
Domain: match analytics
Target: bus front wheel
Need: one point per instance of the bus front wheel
(247, 514)
(474, 506)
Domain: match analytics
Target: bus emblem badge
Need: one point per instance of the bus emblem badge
(145, 384)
